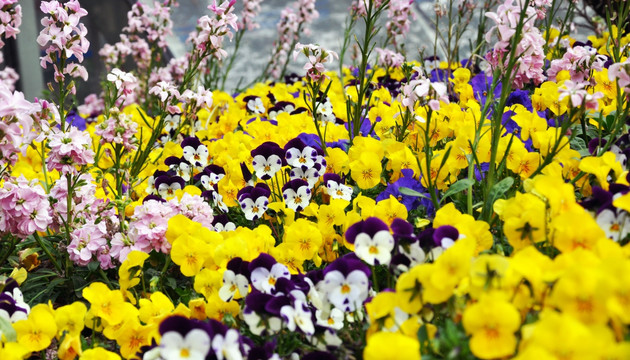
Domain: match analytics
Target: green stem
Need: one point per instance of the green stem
(40, 241)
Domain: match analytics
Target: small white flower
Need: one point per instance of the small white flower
(268, 167)
(615, 226)
(339, 191)
(376, 249)
(265, 280)
(233, 284)
(298, 317)
(227, 347)
(194, 346)
(347, 293)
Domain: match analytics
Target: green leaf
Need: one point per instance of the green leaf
(410, 192)
(93, 266)
(499, 189)
(7, 330)
(457, 187)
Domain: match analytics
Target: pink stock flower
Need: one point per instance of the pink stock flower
(118, 129)
(621, 73)
(317, 57)
(251, 9)
(69, 149)
(10, 20)
(64, 37)
(529, 50)
(16, 124)
(24, 207)
(578, 95)
(389, 58)
(148, 225)
(400, 13)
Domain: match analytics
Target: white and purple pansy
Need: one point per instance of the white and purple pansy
(265, 272)
(279, 108)
(257, 314)
(222, 223)
(335, 187)
(235, 280)
(254, 200)
(180, 166)
(311, 176)
(346, 283)
(12, 305)
(210, 176)
(166, 185)
(254, 104)
(298, 154)
(373, 243)
(298, 316)
(408, 242)
(195, 152)
(151, 189)
(443, 238)
(297, 194)
(215, 199)
(268, 159)
(181, 338)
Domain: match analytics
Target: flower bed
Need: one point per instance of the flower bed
(394, 209)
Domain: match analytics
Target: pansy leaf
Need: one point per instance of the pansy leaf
(497, 191)
(7, 330)
(410, 192)
(457, 187)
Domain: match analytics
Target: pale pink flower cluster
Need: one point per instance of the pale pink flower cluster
(306, 13)
(389, 58)
(147, 27)
(92, 106)
(24, 207)
(621, 73)
(399, 14)
(578, 95)
(154, 22)
(148, 225)
(16, 125)
(10, 19)
(579, 61)
(210, 32)
(529, 50)
(357, 7)
(293, 18)
(317, 57)
(82, 203)
(287, 33)
(173, 72)
(9, 77)
(119, 128)
(125, 82)
(69, 149)
(64, 36)
(425, 90)
(167, 93)
(251, 9)
(95, 224)
(87, 241)
(195, 208)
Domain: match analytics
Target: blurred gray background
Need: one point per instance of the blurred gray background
(106, 19)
